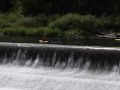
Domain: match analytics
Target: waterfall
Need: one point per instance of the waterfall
(58, 67)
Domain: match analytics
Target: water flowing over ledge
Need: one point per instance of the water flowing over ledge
(60, 56)
(58, 67)
(56, 46)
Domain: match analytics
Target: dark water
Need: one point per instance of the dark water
(63, 41)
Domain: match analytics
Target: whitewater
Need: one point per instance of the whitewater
(89, 68)
(30, 78)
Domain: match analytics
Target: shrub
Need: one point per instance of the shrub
(44, 30)
(117, 24)
(42, 20)
(52, 18)
(36, 21)
(3, 21)
(22, 31)
(27, 22)
(12, 17)
(105, 23)
(72, 32)
(16, 31)
(77, 33)
(7, 20)
(72, 21)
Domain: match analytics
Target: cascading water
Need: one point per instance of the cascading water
(58, 67)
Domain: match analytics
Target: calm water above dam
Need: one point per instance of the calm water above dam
(58, 67)
(64, 41)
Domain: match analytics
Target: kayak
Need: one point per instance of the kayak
(117, 39)
(43, 42)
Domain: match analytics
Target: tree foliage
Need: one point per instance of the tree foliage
(35, 7)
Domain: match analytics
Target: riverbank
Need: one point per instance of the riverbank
(67, 25)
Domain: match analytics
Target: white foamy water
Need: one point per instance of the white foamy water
(29, 78)
(8, 89)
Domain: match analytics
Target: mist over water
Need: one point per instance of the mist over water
(58, 69)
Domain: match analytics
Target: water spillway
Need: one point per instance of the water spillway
(58, 67)
(59, 56)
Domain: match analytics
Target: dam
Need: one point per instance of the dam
(58, 67)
